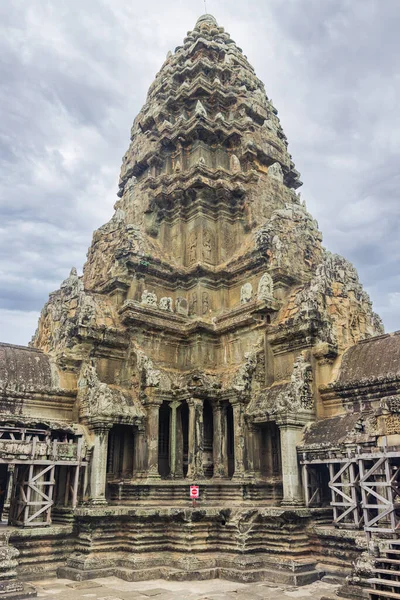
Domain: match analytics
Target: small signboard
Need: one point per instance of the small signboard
(194, 492)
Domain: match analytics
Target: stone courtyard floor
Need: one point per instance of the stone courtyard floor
(111, 588)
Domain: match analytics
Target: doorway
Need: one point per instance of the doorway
(120, 452)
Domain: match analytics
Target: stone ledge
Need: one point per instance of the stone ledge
(245, 571)
(27, 591)
(165, 511)
(40, 532)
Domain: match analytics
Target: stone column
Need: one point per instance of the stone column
(224, 440)
(139, 454)
(257, 451)
(195, 459)
(251, 453)
(98, 470)
(179, 445)
(238, 436)
(153, 409)
(291, 434)
(173, 438)
(269, 459)
(10, 486)
(217, 441)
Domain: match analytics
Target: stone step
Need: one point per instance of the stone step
(386, 582)
(388, 572)
(4, 535)
(293, 574)
(272, 575)
(195, 575)
(42, 553)
(209, 494)
(28, 591)
(334, 579)
(391, 561)
(381, 594)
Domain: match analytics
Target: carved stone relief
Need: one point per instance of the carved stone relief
(205, 303)
(200, 111)
(275, 171)
(181, 306)
(392, 425)
(265, 287)
(246, 293)
(208, 244)
(192, 247)
(166, 304)
(149, 298)
(193, 303)
(235, 164)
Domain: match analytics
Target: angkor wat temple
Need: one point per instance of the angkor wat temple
(211, 340)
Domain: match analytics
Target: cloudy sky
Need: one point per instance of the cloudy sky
(74, 74)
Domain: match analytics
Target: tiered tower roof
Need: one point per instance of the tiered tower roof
(210, 251)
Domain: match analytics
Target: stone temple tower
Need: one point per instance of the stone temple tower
(204, 335)
(207, 300)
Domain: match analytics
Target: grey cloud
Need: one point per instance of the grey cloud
(74, 75)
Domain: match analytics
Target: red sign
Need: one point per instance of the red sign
(194, 491)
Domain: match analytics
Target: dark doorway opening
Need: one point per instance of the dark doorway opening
(164, 440)
(3, 488)
(208, 424)
(230, 440)
(183, 422)
(120, 452)
(270, 449)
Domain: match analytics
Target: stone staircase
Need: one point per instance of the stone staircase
(177, 493)
(42, 550)
(386, 583)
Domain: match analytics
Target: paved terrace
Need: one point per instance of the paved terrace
(111, 588)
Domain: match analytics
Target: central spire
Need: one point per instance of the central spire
(206, 112)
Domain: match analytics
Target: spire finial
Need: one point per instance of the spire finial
(205, 6)
(207, 18)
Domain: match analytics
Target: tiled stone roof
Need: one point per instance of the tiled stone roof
(375, 358)
(21, 366)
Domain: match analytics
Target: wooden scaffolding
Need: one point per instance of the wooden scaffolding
(365, 489)
(34, 461)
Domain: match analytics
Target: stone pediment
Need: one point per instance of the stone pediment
(292, 398)
(199, 381)
(100, 402)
